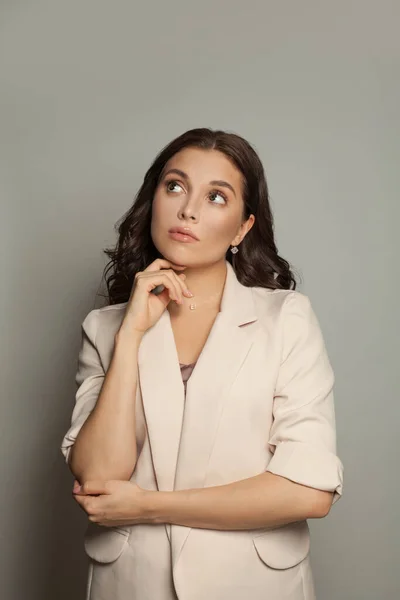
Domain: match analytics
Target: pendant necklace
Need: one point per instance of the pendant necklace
(194, 306)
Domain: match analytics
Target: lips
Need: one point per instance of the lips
(183, 231)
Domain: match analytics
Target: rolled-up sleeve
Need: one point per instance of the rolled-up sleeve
(303, 433)
(89, 380)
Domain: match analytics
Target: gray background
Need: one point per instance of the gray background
(90, 91)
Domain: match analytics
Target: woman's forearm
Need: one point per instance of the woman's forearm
(105, 447)
(265, 500)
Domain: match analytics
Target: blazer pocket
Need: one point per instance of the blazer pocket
(105, 544)
(283, 547)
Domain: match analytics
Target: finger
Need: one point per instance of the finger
(162, 263)
(185, 290)
(81, 500)
(86, 504)
(178, 282)
(165, 278)
(76, 487)
(94, 487)
(175, 281)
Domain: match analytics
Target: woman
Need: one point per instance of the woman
(203, 433)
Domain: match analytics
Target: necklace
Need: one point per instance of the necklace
(193, 305)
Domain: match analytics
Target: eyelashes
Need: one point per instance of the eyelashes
(215, 192)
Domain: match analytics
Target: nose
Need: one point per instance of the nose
(189, 211)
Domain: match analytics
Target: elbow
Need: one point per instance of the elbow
(86, 468)
(321, 503)
(95, 472)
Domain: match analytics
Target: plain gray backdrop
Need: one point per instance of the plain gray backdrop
(90, 92)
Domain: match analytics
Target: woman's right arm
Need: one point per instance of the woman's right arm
(101, 443)
(105, 447)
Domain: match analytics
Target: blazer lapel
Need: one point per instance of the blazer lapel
(182, 432)
(162, 392)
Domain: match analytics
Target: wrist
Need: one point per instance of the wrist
(155, 506)
(127, 334)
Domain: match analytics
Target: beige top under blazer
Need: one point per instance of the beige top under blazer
(259, 399)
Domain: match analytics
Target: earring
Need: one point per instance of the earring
(234, 249)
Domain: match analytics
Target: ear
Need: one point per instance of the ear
(243, 230)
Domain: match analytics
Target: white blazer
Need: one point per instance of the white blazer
(259, 399)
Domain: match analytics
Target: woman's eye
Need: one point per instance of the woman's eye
(172, 184)
(220, 195)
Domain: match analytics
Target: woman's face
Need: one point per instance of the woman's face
(201, 190)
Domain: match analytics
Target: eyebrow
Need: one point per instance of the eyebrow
(184, 175)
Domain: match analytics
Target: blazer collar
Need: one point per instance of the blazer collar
(182, 432)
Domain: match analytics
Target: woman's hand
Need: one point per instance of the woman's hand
(113, 503)
(144, 308)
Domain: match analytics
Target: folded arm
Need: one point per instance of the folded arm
(304, 477)
(266, 500)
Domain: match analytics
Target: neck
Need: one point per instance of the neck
(206, 283)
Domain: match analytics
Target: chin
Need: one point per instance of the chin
(174, 257)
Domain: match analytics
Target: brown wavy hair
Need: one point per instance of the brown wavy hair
(256, 264)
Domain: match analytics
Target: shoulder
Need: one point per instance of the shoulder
(111, 310)
(289, 314)
(103, 320)
(295, 322)
(279, 303)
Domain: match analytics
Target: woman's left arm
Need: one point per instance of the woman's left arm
(266, 500)
(304, 476)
